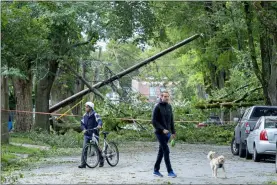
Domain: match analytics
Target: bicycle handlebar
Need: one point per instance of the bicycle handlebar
(93, 128)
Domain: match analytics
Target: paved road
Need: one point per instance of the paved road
(136, 166)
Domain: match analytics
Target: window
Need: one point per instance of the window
(258, 124)
(162, 89)
(152, 91)
(246, 114)
(270, 123)
(264, 111)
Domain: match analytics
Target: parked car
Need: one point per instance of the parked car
(247, 123)
(262, 139)
(211, 120)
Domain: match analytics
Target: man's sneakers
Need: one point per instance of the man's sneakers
(82, 166)
(157, 174)
(172, 174)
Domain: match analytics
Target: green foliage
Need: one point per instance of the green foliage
(187, 132)
(271, 182)
(19, 149)
(24, 38)
(207, 135)
(131, 135)
(70, 139)
(10, 156)
(19, 139)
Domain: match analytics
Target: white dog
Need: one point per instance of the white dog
(216, 162)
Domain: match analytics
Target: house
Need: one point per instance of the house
(151, 89)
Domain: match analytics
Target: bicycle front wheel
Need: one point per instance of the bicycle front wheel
(112, 154)
(91, 155)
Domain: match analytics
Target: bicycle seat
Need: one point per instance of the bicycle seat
(105, 133)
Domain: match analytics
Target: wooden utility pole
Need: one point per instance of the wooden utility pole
(121, 74)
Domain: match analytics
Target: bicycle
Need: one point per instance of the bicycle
(92, 152)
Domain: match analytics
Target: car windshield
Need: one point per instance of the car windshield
(212, 119)
(270, 123)
(264, 111)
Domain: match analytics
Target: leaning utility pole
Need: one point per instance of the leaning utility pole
(121, 74)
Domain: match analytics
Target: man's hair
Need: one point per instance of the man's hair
(165, 91)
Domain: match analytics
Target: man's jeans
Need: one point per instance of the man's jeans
(163, 152)
(85, 151)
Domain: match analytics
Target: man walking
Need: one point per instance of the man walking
(162, 120)
(90, 120)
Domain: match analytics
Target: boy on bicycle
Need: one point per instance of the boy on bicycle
(90, 120)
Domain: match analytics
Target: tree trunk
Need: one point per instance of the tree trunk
(258, 72)
(221, 79)
(272, 84)
(268, 42)
(79, 86)
(266, 56)
(23, 89)
(4, 114)
(43, 89)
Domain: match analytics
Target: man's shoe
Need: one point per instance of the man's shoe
(82, 166)
(172, 174)
(157, 174)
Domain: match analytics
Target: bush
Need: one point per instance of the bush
(131, 135)
(207, 135)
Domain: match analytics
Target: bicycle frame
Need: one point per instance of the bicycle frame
(95, 141)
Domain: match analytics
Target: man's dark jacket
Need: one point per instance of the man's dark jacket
(162, 118)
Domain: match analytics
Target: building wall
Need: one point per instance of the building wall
(144, 88)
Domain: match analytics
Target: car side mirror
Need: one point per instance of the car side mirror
(236, 120)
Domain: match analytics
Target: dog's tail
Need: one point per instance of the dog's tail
(210, 155)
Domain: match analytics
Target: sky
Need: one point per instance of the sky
(102, 44)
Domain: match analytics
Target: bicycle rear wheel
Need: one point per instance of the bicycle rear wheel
(112, 154)
(91, 157)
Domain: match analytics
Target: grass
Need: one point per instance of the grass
(11, 161)
(71, 139)
(26, 140)
(20, 150)
(271, 182)
(6, 157)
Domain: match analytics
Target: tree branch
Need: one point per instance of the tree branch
(95, 91)
(246, 95)
(226, 105)
(82, 43)
(229, 104)
(78, 44)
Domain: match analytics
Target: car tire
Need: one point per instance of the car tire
(234, 147)
(256, 156)
(241, 150)
(247, 154)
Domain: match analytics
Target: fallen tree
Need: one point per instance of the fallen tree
(230, 103)
(69, 100)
